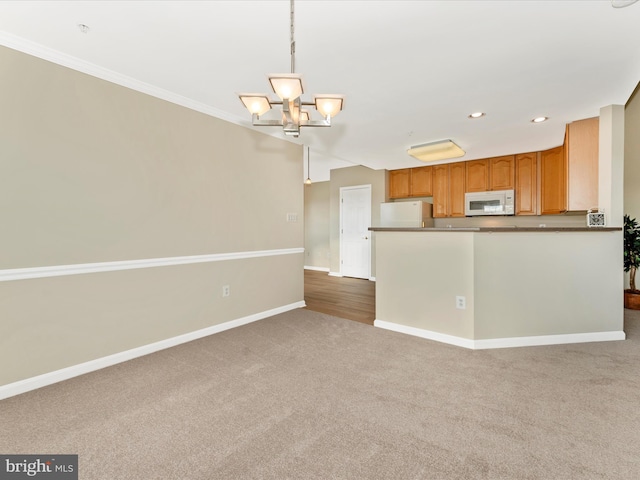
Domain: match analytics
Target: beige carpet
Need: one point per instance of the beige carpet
(303, 395)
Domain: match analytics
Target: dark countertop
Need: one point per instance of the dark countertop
(496, 229)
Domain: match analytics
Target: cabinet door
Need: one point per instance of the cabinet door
(526, 184)
(582, 150)
(477, 175)
(440, 190)
(399, 183)
(457, 174)
(421, 182)
(553, 181)
(502, 172)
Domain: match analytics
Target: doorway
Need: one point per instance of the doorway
(355, 237)
(350, 298)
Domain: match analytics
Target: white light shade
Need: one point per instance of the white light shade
(286, 85)
(622, 3)
(328, 104)
(257, 104)
(430, 152)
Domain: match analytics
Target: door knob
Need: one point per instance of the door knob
(366, 238)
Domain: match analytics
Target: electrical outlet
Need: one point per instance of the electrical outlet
(292, 217)
(461, 303)
(226, 290)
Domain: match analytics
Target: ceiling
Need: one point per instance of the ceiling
(411, 71)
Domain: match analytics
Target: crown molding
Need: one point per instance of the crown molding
(37, 50)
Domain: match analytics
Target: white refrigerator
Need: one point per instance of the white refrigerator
(406, 214)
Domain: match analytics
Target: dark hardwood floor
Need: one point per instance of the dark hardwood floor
(344, 297)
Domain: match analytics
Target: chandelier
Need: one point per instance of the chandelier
(288, 87)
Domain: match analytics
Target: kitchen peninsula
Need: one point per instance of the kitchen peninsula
(493, 287)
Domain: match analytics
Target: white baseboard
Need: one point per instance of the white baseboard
(45, 379)
(532, 341)
(338, 274)
(540, 340)
(332, 274)
(317, 269)
(428, 334)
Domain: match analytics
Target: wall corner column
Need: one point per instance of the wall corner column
(611, 164)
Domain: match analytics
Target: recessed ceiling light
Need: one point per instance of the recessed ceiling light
(540, 119)
(83, 28)
(477, 115)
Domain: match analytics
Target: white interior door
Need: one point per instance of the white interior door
(355, 237)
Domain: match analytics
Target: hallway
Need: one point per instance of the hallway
(344, 297)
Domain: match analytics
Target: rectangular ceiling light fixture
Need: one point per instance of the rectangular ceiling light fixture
(441, 150)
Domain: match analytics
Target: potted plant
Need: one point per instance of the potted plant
(631, 261)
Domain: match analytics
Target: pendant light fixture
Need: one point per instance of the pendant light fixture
(308, 180)
(288, 87)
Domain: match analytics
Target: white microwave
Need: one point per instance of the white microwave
(497, 202)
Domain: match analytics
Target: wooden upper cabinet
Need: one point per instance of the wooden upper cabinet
(399, 181)
(502, 173)
(526, 183)
(448, 189)
(411, 182)
(477, 175)
(491, 174)
(421, 182)
(457, 176)
(440, 190)
(553, 181)
(582, 143)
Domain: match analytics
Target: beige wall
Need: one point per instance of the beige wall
(348, 177)
(611, 163)
(632, 159)
(53, 323)
(529, 284)
(515, 284)
(420, 275)
(316, 225)
(94, 172)
(632, 156)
